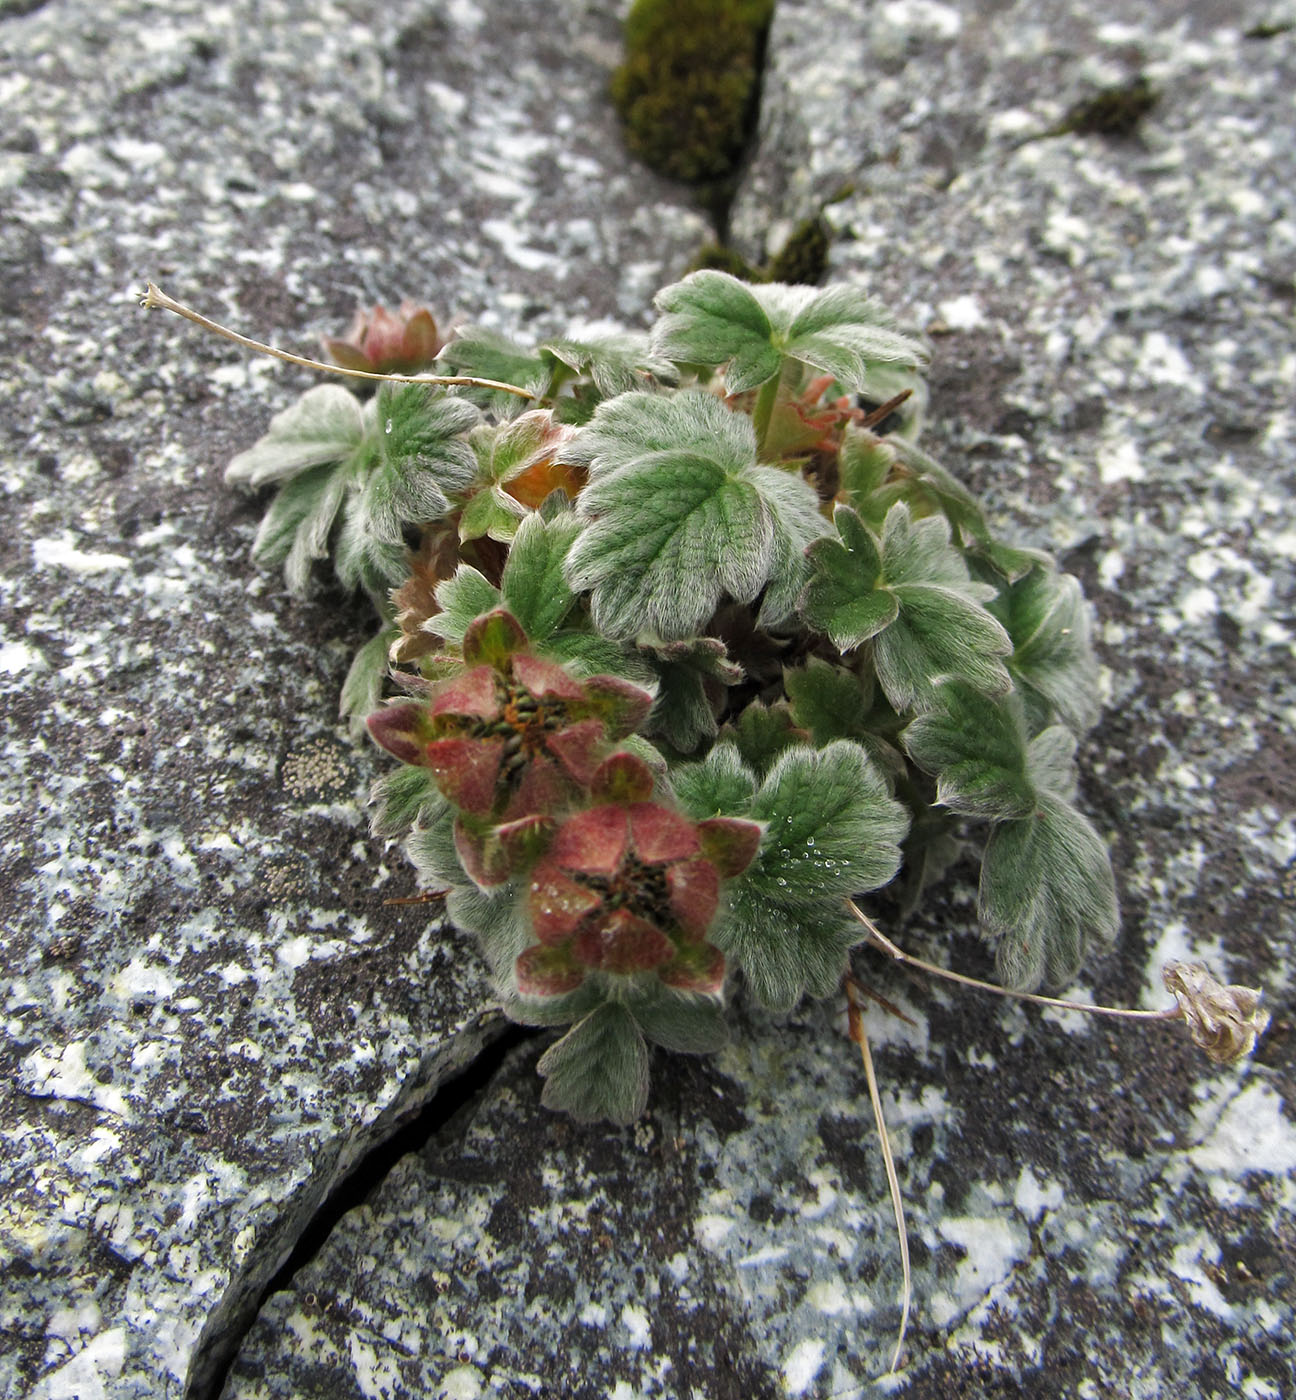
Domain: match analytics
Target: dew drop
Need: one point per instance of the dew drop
(389, 425)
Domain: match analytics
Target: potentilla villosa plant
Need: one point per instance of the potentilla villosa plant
(694, 645)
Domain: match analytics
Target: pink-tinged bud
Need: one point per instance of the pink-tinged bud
(493, 854)
(380, 342)
(401, 730)
(558, 904)
(466, 771)
(492, 639)
(729, 843)
(661, 835)
(577, 748)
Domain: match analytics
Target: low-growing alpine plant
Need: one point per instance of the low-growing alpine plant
(692, 643)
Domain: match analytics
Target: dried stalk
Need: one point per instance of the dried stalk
(156, 297)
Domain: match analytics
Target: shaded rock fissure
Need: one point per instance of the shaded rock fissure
(402, 1130)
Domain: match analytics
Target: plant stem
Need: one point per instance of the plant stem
(880, 940)
(766, 398)
(860, 1037)
(155, 297)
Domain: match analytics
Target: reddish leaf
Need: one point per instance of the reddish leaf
(660, 834)
(697, 967)
(545, 972)
(542, 677)
(593, 842)
(399, 729)
(467, 771)
(472, 693)
(694, 894)
(492, 638)
(729, 843)
(622, 778)
(621, 706)
(623, 943)
(576, 747)
(557, 904)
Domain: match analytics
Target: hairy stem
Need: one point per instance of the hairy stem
(879, 940)
(766, 398)
(155, 297)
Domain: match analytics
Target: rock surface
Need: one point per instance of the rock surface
(209, 1016)
(1093, 1209)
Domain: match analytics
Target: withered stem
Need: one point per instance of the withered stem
(156, 297)
(880, 940)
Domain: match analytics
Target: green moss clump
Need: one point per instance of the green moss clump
(1115, 111)
(720, 257)
(688, 88)
(803, 258)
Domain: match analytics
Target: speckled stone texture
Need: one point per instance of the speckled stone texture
(208, 1013)
(1094, 1210)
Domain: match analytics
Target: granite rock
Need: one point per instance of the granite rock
(1094, 1209)
(209, 1015)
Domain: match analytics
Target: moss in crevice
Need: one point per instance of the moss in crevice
(688, 92)
(1113, 111)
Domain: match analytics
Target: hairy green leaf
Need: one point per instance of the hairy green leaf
(327, 424)
(362, 688)
(721, 785)
(1046, 889)
(1052, 659)
(534, 587)
(617, 362)
(485, 354)
(462, 598)
(599, 1069)
(667, 536)
(403, 797)
(762, 732)
(794, 513)
(830, 701)
(364, 559)
(975, 746)
(492, 513)
(832, 829)
(631, 427)
(297, 526)
(690, 1025)
(851, 336)
(713, 319)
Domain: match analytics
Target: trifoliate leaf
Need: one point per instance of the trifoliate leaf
(534, 587)
(921, 482)
(667, 536)
(1046, 888)
(975, 746)
(912, 592)
(327, 424)
(297, 526)
(832, 829)
(721, 785)
(462, 598)
(362, 688)
(1052, 661)
(422, 460)
(599, 1069)
(617, 362)
(849, 335)
(486, 354)
(713, 319)
(692, 675)
(1050, 761)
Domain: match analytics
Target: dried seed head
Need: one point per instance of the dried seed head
(1223, 1020)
